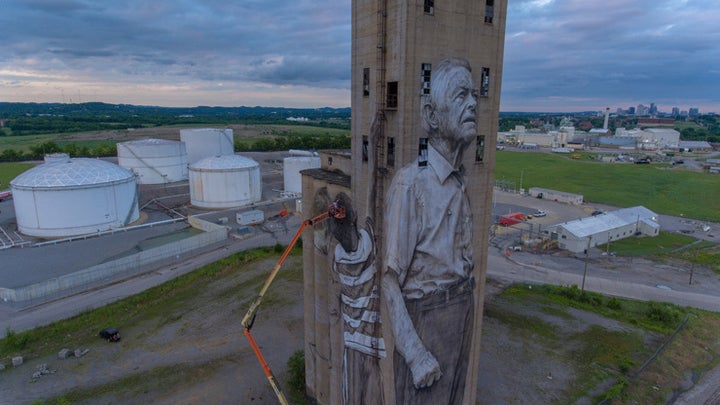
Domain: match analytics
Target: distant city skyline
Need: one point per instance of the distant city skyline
(560, 55)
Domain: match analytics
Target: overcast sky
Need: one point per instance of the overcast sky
(560, 55)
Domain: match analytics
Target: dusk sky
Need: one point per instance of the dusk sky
(560, 55)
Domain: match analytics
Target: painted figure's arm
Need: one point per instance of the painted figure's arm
(423, 365)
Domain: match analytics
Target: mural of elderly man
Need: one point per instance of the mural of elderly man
(427, 282)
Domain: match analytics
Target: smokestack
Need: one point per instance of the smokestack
(607, 117)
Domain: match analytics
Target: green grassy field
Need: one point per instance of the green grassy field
(9, 171)
(23, 143)
(679, 193)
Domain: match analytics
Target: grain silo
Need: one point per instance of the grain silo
(207, 142)
(225, 181)
(291, 171)
(154, 161)
(74, 197)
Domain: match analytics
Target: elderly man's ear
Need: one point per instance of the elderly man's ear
(430, 117)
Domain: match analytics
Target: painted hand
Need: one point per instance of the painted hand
(343, 229)
(425, 370)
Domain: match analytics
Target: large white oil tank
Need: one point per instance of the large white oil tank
(225, 181)
(74, 197)
(207, 142)
(291, 171)
(154, 161)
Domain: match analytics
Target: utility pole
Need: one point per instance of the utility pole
(587, 258)
(521, 179)
(607, 252)
(692, 266)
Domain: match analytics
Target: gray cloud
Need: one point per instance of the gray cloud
(578, 54)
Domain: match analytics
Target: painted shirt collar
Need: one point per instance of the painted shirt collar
(442, 168)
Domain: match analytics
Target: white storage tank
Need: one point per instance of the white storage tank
(74, 197)
(207, 142)
(291, 171)
(154, 161)
(225, 181)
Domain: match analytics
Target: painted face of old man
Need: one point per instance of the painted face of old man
(455, 106)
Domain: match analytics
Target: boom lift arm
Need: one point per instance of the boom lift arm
(334, 210)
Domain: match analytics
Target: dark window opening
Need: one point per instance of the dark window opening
(425, 72)
(429, 6)
(365, 146)
(423, 152)
(485, 82)
(480, 148)
(489, 11)
(392, 95)
(366, 81)
(329, 160)
(391, 151)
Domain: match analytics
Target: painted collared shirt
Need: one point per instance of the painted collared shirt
(428, 227)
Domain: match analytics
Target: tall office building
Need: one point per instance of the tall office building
(396, 46)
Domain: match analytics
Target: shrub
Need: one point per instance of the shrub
(296, 372)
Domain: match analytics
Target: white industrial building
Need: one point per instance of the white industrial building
(661, 138)
(74, 197)
(551, 139)
(154, 161)
(555, 195)
(291, 171)
(577, 235)
(652, 138)
(202, 143)
(224, 182)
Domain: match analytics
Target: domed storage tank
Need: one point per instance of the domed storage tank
(225, 181)
(154, 161)
(74, 197)
(291, 171)
(207, 142)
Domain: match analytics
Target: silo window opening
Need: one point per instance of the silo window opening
(479, 148)
(489, 11)
(423, 152)
(365, 147)
(366, 82)
(485, 82)
(391, 151)
(329, 160)
(392, 95)
(429, 7)
(426, 71)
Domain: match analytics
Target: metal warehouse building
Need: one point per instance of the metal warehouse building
(577, 235)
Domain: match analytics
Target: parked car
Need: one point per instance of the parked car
(539, 213)
(597, 212)
(111, 334)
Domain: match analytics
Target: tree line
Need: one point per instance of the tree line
(283, 142)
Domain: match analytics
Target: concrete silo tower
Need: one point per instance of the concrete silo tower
(425, 86)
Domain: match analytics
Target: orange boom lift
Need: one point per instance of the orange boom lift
(334, 210)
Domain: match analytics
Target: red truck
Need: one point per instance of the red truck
(5, 194)
(512, 218)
